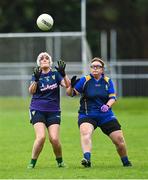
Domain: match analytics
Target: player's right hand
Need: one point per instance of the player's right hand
(37, 73)
(74, 81)
(61, 67)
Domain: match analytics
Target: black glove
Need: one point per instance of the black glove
(74, 81)
(37, 73)
(61, 68)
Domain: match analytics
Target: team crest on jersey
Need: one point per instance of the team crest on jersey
(53, 77)
(33, 113)
(106, 87)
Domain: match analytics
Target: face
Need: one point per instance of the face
(44, 62)
(96, 68)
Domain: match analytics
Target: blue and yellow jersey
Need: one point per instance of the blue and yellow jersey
(47, 96)
(94, 93)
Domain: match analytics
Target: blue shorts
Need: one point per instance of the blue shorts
(99, 117)
(48, 118)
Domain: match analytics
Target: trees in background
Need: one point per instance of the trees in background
(128, 17)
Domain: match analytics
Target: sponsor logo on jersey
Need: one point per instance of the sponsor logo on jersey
(97, 85)
(50, 87)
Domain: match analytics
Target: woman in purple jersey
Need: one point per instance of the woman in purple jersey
(97, 98)
(45, 105)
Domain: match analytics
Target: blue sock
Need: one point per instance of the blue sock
(124, 160)
(87, 155)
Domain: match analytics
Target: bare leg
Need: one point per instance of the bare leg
(40, 139)
(39, 129)
(54, 138)
(86, 131)
(118, 139)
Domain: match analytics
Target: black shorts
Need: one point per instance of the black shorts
(106, 128)
(110, 127)
(48, 118)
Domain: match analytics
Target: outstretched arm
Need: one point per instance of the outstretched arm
(71, 91)
(33, 86)
(65, 82)
(61, 69)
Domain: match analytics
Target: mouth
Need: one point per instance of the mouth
(95, 71)
(45, 64)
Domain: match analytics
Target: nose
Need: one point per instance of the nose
(45, 59)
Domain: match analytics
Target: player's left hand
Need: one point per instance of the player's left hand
(74, 81)
(61, 68)
(104, 108)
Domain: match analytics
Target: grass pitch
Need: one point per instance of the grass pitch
(17, 136)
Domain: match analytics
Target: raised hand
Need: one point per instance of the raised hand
(61, 68)
(74, 81)
(37, 73)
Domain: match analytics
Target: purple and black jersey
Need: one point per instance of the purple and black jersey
(47, 96)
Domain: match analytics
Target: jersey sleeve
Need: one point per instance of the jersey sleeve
(32, 79)
(111, 90)
(79, 86)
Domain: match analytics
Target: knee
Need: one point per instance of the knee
(85, 134)
(54, 141)
(41, 139)
(119, 142)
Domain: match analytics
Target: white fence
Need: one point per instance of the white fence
(18, 51)
(130, 77)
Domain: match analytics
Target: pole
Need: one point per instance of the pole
(104, 45)
(83, 39)
(113, 58)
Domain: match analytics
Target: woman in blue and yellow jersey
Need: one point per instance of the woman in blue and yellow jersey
(97, 97)
(45, 110)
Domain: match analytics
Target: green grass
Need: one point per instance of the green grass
(17, 136)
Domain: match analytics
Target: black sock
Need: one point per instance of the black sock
(33, 161)
(59, 159)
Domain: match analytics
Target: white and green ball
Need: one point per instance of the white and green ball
(45, 22)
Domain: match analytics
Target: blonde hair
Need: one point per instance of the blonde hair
(44, 54)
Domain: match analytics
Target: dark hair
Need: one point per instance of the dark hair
(99, 60)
